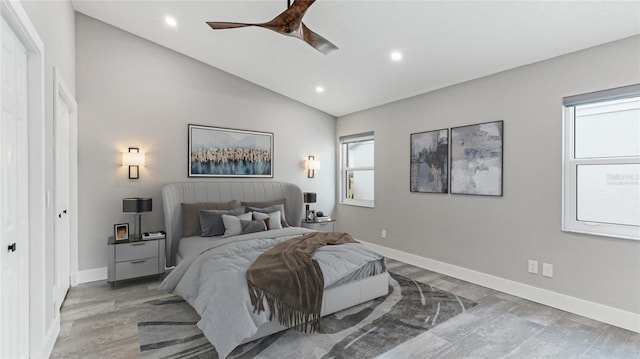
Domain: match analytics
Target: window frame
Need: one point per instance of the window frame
(344, 169)
(570, 164)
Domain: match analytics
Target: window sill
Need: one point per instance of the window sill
(633, 234)
(358, 203)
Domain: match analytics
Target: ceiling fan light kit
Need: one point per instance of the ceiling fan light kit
(288, 23)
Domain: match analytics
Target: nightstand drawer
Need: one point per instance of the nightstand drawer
(136, 250)
(137, 268)
(324, 226)
(328, 226)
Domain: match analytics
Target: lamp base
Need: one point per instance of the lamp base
(137, 220)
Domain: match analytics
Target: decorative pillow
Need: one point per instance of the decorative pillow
(263, 205)
(211, 220)
(191, 218)
(232, 224)
(271, 220)
(271, 209)
(252, 226)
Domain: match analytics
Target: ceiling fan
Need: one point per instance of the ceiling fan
(289, 23)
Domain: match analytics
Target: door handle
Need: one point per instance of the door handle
(12, 247)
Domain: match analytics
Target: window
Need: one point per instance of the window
(357, 169)
(602, 163)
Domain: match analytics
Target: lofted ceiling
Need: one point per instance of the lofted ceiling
(442, 42)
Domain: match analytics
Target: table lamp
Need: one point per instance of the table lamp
(137, 206)
(308, 197)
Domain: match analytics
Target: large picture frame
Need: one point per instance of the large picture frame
(477, 159)
(226, 152)
(429, 168)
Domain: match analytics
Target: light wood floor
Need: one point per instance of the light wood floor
(100, 322)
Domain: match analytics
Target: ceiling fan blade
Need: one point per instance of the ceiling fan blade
(227, 25)
(292, 16)
(288, 22)
(318, 42)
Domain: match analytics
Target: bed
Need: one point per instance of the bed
(210, 271)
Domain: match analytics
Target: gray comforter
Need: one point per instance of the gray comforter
(215, 285)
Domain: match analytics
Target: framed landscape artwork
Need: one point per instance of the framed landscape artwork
(476, 159)
(429, 161)
(225, 152)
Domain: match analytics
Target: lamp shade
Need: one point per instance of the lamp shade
(309, 197)
(132, 159)
(313, 164)
(136, 205)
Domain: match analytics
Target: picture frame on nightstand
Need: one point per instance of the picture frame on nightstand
(311, 215)
(121, 231)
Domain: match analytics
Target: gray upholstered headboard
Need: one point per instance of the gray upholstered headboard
(174, 194)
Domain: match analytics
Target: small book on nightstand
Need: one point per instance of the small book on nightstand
(153, 235)
(323, 219)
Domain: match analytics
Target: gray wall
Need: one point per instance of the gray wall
(497, 235)
(54, 22)
(132, 92)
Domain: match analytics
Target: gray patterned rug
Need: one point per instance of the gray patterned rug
(167, 327)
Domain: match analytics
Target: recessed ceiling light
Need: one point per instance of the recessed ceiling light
(170, 21)
(396, 56)
(319, 89)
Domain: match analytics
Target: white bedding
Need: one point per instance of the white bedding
(214, 283)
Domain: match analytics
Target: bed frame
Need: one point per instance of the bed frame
(173, 195)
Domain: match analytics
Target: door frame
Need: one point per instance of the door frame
(15, 16)
(61, 90)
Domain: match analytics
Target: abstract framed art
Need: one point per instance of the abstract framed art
(477, 158)
(429, 161)
(226, 152)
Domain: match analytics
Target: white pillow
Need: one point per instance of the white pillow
(274, 219)
(232, 226)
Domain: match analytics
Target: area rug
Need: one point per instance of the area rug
(167, 328)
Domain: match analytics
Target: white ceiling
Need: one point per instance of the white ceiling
(443, 42)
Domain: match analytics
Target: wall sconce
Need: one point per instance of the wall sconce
(134, 159)
(311, 166)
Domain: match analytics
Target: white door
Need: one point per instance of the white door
(62, 202)
(14, 192)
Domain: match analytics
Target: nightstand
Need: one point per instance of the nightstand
(327, 226)
(135, 258)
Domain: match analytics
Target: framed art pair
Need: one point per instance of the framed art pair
(468, 162)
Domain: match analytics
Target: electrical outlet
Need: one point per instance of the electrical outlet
(547, 270)
(383, 234)
(533, 266)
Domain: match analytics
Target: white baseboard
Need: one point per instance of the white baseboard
(614, 316)
(92, 275)
(49, 340)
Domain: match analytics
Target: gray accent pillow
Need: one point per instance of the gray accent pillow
(191, 218)
(271, 209)
(232, 224)
(211, 220)
(271, 220)
(252, 226)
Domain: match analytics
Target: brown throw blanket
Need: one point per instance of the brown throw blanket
(291, 280)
